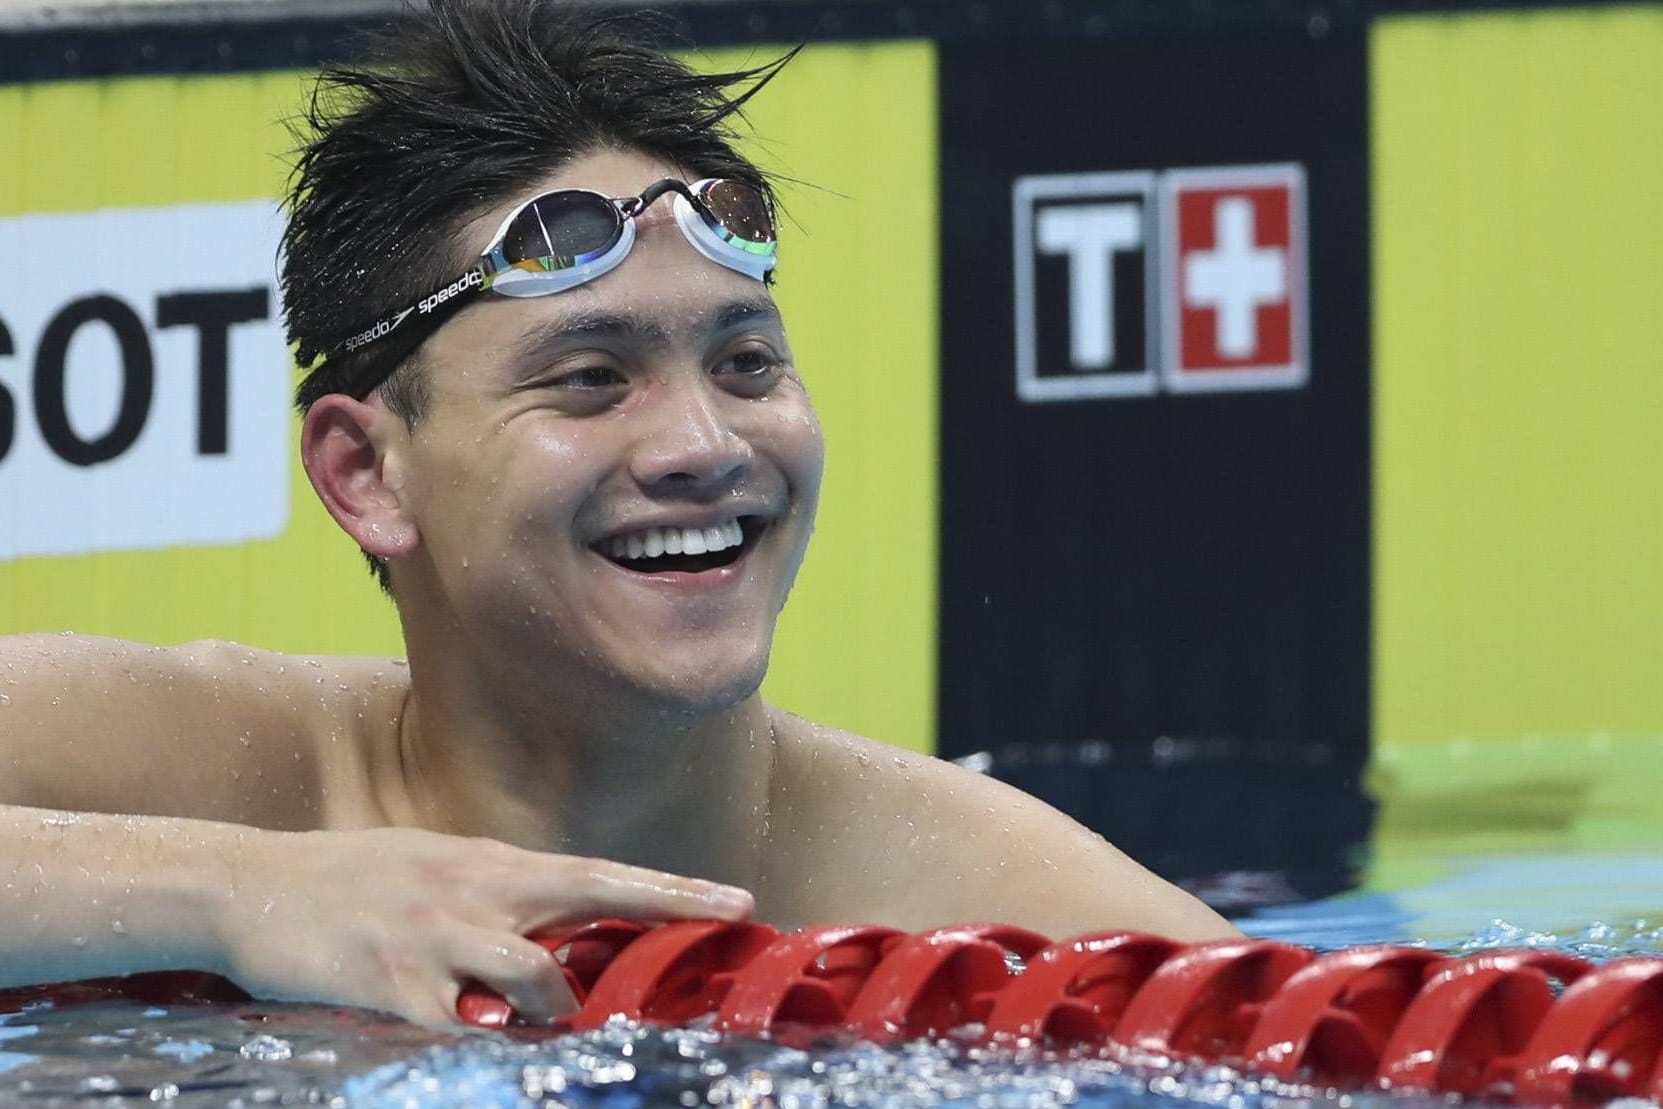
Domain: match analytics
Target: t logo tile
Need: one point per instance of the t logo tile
(1084, 286)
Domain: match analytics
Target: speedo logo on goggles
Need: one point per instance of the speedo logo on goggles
(379, 331)
(472, 279)
(563, 239)
(466, 281)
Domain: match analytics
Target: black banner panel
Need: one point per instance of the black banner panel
(1155, 383)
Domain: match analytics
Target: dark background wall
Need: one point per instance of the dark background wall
(1189, 565)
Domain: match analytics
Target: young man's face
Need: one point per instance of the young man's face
(570, 432)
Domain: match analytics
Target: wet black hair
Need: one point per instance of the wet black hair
(458, 107)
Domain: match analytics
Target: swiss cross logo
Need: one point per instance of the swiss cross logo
(1188, 280)
(1233, 263)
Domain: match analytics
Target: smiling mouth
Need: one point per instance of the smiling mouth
(683, 550)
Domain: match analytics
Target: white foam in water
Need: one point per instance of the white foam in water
(628, 1065)
(228, 1056)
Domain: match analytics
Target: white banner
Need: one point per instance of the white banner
(144, 379)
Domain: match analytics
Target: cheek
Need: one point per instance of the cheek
(796, 441)
(484, 483)
(549, 473)
(550, 452)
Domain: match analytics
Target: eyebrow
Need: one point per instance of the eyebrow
(598, 324)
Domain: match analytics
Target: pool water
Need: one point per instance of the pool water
(249, 1055)
(1588, 883)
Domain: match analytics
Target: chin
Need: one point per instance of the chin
(703, 689)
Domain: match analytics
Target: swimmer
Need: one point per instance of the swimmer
(551, 398)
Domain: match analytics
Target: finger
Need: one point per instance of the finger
(431, 1005)
(587, 889)
(436, 1010)
(614, 890)
(527, 975)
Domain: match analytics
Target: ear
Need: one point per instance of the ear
(349, 449)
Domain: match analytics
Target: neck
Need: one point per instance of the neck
(582, 767)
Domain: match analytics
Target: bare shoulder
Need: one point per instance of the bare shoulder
(208, 729)
(834, 769)
(917, 841)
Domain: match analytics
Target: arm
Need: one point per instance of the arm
(205, 730)
(90, 895)
(391, 918)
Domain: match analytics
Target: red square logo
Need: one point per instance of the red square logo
(1233, 253)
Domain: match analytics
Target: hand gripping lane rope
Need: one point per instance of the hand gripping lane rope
(1538, 1027)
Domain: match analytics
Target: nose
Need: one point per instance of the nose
(691, 448)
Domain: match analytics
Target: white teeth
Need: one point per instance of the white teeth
(653, 542)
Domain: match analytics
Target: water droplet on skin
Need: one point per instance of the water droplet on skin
(79, 941)
(118, 928)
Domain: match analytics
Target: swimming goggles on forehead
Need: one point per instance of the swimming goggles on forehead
(562, 239)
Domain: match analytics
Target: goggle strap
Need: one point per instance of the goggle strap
(410, 328)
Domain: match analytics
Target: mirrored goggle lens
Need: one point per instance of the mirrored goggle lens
(741, 210)
(574, 225)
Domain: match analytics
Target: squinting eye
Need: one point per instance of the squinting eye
(589, 377)
(750, 363)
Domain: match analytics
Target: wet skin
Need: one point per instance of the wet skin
(662, 393)
(572, 737)
(544, 673)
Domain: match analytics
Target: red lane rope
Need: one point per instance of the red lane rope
(1541, 1028)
